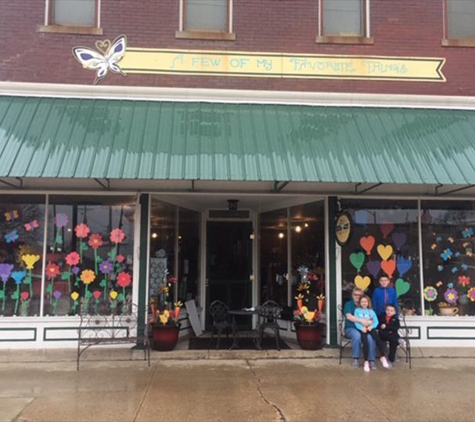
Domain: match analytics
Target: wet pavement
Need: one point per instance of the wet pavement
(190, 387)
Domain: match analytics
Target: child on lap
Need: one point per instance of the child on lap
(364, 311)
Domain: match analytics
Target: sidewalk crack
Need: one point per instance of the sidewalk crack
(280, 414)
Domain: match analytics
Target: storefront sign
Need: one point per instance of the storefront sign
(343, 228)
(261, 65)
(280, 65)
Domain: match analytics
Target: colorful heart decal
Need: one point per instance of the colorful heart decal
(385, 252)
(399, 239)
(367, 243)
(361, 217)
(357, 260)
(374, 267)
(386, 228)
(403, 265)
(362, 282)
(389, 267)
(402, 287)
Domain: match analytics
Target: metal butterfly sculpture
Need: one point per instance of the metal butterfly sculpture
(110, 54)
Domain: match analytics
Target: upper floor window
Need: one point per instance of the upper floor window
(344, 21)
(206, 19)
(73, 16)
(460, 20)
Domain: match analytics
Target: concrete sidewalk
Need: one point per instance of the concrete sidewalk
(213, 388)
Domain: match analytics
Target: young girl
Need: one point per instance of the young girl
(364, 311)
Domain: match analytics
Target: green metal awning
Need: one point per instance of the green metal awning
(114, 139)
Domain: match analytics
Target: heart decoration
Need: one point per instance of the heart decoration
(399, 239)
(389, 267)
(103, 46)
(97, 294)
(385, 252)
(367, 243)
(403, 265)
(357, 260)
(402, 287)
(361, 217)
(362, 282)
(386, 228)
(374, 267)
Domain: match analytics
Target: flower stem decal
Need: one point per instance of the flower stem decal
(5, 271)
(18, 276)
(30, 261)
(82, 231)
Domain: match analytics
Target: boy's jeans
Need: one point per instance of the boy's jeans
(355, 336)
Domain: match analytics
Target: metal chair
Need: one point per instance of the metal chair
(341, 327)
(269, 312)
(219, 311)
(404, 341)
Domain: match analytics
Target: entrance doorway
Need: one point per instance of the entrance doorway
(229, 265)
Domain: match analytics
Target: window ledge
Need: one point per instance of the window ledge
(206, 35)
(340, 39)
(462, 42)
(60, 29)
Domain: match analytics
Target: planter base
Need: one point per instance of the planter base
(165, 338)
(309, 337)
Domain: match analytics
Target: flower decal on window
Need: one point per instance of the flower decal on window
(52, 270)
(61, 220)
(82, 230)
(451, 296)
(124, 279)
(72, 258)
(88, 276)
(430, 294)
(30, 260)
(5, 271)
(117, 236)
(106, 267)
(95, 241)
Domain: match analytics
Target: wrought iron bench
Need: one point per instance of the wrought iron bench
(404, 334)
(116, 327)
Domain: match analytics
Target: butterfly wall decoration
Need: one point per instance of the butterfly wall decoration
(11, 215)
(12, 236)
(32, 225)
(105, 59)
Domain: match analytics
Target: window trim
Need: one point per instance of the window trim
(50, 26)
(452, 42)
(346, 39)
(184, 33)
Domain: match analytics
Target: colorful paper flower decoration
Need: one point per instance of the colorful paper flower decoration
(24, 296)
(52, 270)
(120, 258)
(88, 276)
(471, 294)
(73, 258)
(30, 260)
(82, 230)
(106, 267)
(18, 276)
(5, 271)
(113, 294)
(61, 220)
(75, 270)
(95, 241)
(124, 279)
(430, 294)
(451, 296)
(75, 296)
(117, 236)
(464, 280)
(57, 294)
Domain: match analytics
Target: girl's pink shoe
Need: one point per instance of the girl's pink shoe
(384, 362)
(366, 367)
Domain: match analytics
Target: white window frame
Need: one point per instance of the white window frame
(181, 23)
(366, 31)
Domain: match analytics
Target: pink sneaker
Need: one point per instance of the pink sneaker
(366, 367)
(384, 362)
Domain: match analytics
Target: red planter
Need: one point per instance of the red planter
(165, 337)
(309, 337)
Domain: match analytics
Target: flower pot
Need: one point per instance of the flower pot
(447, 311)
(309, 337)
(165, 337)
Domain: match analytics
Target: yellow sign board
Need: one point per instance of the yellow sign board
(279, 65)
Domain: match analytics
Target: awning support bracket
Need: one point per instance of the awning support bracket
(457, 190)
(279, 187)
(107, 185)
(437, 188)
(367, 189)
(12, 185)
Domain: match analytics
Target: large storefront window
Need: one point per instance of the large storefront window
(273, 252)
(308, 253)
(384, 241)
(89, 259)
(21, 252)
(448, 241)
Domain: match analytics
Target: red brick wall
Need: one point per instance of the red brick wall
(399, 28)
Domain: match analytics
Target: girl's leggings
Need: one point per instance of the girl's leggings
(377, 340)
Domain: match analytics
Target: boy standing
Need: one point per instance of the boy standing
(388, 330)
(384, 295)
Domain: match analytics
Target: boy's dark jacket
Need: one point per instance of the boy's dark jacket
(393, 323)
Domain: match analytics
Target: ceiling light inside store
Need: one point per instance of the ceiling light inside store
(305, 225)
(154, 235)
(298, 229)
(281, 235)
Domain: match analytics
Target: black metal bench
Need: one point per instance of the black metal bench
(115, 327)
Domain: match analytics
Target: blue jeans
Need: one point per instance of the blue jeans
(355, 336)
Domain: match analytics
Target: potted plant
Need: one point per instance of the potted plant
(307, 324)
(164, 318)
(447, 309)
